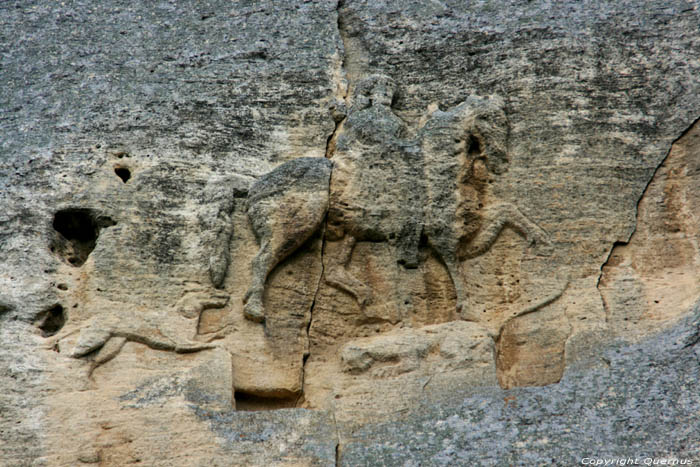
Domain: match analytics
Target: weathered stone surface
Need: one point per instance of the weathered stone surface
(639, 405)
(653, 278)
(482, 198)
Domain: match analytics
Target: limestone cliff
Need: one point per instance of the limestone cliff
(349, 232)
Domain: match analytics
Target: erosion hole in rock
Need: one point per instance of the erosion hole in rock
(51, 321)
(76, 232)
(251, 402)
(123, 173)
(474, 148)
(4, 308)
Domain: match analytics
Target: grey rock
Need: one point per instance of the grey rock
(283, 436)
(640, 406)
(163, 117)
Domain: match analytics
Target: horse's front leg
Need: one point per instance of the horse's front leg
(532, 232)
(263, 263)
(339, 277)
(494, 220)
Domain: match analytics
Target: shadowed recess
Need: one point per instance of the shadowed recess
(51, 321)
(76, 233)
(250, 402)
(123, 173)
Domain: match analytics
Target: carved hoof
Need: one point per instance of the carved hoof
(254, 313)
(247, 296)
(194, 303)
(540, 242)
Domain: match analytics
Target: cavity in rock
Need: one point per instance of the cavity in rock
(51, 321)
(123, 173)
(75, 234)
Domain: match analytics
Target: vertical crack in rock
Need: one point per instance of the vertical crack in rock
(338, 447)
(311, 312)
(340, 77)
(341, 32)
(569, 333)
(355, 56)
(345, 59)
(620, 243)
(338, 112)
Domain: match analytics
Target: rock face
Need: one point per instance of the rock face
(353, 233)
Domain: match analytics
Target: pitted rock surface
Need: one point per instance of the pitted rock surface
(481, 215)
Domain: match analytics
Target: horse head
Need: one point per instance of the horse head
(476, 128)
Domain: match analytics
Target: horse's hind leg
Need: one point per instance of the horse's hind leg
(265, 261)
(447, 252)
(282, 227)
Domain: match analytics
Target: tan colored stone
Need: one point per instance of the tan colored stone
(650, 281)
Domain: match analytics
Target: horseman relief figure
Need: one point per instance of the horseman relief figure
(379, 185)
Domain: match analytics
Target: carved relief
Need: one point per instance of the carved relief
(363, 272)
(103, 336)
(380, 186)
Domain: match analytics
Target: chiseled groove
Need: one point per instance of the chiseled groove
(328, 153)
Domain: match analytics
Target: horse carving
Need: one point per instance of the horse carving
(380, 185)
